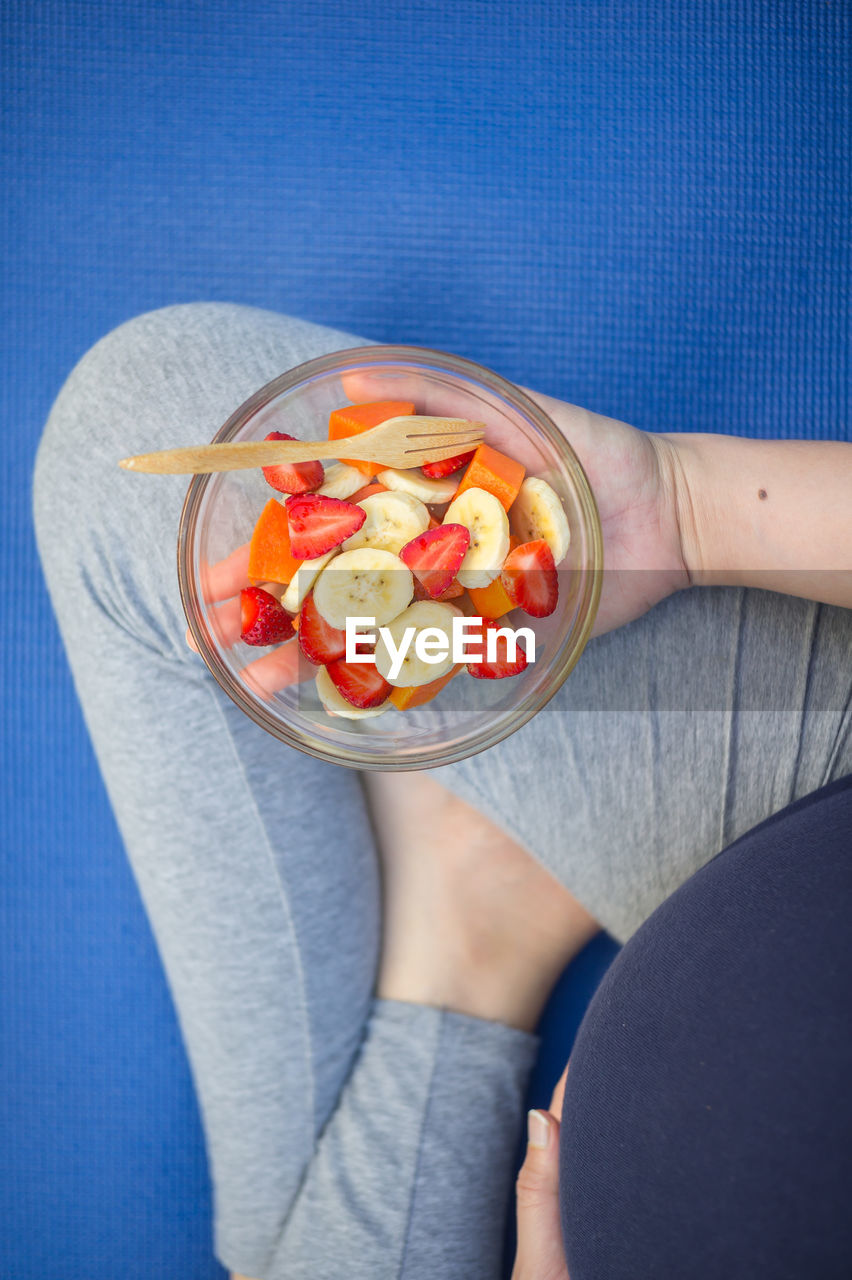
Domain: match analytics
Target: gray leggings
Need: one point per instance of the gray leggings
(349, 1136)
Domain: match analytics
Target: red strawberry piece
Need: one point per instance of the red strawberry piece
(437, 470)
(319, 642)
(530, 579)
(453, 591)
(318, 523)
(501, 667)
(292, 477)
(435, 557)
(262, 619)
(359, 683)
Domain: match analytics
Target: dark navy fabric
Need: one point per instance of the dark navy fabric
(642, 207)
(707, 1125)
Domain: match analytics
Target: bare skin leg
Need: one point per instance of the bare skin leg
(472, 923)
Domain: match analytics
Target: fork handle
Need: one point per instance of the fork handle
(204, 459)
(376, 445)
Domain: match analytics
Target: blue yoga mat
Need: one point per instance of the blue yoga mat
(641, 207)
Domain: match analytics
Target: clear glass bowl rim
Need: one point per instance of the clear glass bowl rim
(564, 661)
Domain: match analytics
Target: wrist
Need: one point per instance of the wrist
(698, 504)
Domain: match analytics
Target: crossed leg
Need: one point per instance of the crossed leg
(326, 1110)
(343, 1126)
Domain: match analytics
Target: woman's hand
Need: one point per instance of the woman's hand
(674, 509)
(635, 478)
(712, 510)
(690, 509)
(540, 1254)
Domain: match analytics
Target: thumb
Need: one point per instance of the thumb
(540, 1254)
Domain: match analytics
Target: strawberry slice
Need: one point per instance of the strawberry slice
(453, 591)
(435, 557)
(319, 523)
(359, 683)
(530, 579)
(262, 619)
(437, 470)
(319, 642)
(292, 477)
(482, 669)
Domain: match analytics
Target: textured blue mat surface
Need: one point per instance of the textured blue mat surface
(639, 207)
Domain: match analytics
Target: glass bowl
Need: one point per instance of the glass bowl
(468, 715)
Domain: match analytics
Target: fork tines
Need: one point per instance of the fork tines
(467, 433)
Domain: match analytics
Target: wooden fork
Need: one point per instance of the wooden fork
(398, 442)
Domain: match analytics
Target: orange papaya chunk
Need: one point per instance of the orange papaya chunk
(357, 418)
(417, 695)
(491, 601)
(270, 558)
(367, 492)
(494, 471)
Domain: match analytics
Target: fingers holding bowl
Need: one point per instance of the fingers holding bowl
(269, 673)
(540, 1253)
(558, 1097)
(226, 577)
(277, 670)
(222, 584)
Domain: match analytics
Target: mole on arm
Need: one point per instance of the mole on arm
(761, 493)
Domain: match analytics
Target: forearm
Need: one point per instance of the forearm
(771, 514)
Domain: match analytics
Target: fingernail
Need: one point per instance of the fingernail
(538, 1129)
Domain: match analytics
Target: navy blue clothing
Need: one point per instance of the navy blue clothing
(707, 1125)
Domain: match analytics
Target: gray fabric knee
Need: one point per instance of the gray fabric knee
(164, 378)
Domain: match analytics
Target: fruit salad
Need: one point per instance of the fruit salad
(412, 550)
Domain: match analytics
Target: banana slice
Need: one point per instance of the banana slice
(392, 520)
(412, 669)
(419, 486)
(365, 583)
(537, 512)
(335, 703)
(485, 517)
(341, 481)
(303, 579)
